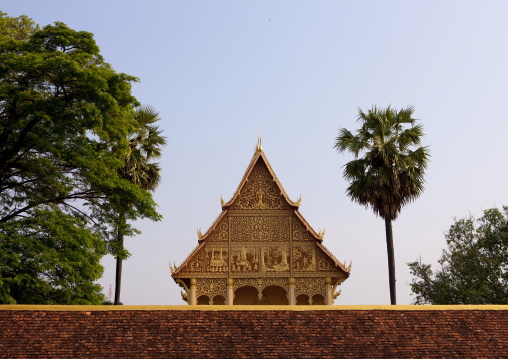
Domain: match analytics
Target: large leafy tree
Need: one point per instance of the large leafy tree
(474, 267)
(388, 167)
(65, 116)
(145, 145)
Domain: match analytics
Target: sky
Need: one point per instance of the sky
(297, 71)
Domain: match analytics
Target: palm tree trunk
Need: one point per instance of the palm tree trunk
(118, 279)
(391, 259)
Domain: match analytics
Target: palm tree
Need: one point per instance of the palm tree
(388, 167)
(145, 144)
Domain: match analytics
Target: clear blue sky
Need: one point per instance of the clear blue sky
(220, 71)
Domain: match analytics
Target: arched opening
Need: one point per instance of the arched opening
(318, 299)
(245, 296)
(203, 300)
(219, 300)
(275, 296)
(302, 299)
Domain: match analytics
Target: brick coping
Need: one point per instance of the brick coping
(296, 308)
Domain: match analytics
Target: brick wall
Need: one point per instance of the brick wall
(365, 333)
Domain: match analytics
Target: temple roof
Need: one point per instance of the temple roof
(260, 156)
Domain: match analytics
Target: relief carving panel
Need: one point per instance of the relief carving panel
(324, 262)
(244, 259)
(259, 229)
(210, 287)
(260, 283)
(260, 259)
(260, 192)
(310, 286)
(274, 259)
(221, 232)
(241, 228)
(304, 258)
(300, 233)
(210, 259)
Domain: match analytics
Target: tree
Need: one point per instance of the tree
(19, 28)
(387, 173)
(145, 144)
(50, 258)
(65, 116)
(474, 268)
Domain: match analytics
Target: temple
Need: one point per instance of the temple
(260, 250)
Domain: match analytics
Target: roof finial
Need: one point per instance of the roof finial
(258, 144)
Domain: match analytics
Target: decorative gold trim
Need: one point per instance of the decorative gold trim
(173, 267)
(185, 296)
(258, 143)
(294, 308)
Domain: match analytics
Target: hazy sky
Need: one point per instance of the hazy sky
(220, 71)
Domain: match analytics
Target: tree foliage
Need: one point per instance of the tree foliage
(145, 145)
(474, 268)
(50, 258)
(65, 117)
(388, 167)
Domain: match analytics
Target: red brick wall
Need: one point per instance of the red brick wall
(253, 334)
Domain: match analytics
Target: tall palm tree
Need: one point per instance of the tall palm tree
(145, 144)
(388, 167)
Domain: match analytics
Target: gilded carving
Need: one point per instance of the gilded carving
(260, 229)
(300, 233)
(324, 262)
(244, 259)
(279, 229)
(216, 259)
(185, 296)
(304, 258)
(211, 259)
(221, 232)
(260, 283)
(260, 192)
(240, 228)
(310, 286)
(195, 265)
(210, 287)
(274, 259)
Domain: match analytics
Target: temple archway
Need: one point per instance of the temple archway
(245, 296)
(219, 300)
(203, 300)
(275, 295)
(302, 299)
(318, 299)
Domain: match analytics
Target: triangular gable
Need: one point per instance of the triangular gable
(258, 193)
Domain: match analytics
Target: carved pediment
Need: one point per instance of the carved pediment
(260, 191)
(260, 234)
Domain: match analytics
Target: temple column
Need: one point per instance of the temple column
(292, 300)
(328, 286)
(229, 291)
(192, 299)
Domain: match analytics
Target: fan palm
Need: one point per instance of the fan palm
(145, 144)
(388, 167)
